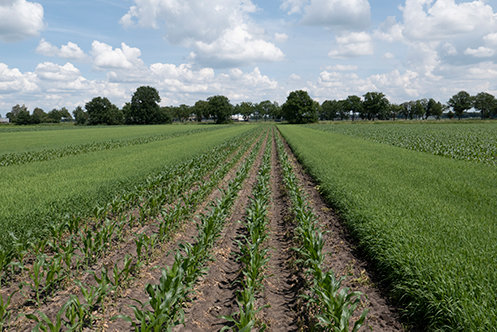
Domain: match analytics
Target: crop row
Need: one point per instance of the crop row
(169, 297)
(472, 142)
(10, 159)
(75, 244)
(254, 253)
(332, 306)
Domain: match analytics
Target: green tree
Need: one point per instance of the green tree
(102, 111)
(353, 104)
(54, 116)
(485, 103)
(408, 109)
(220, 108)
(300, 108)
(144, 107)
(38, 116)
(166, 114)
(375, 105)
(80, 116)
(200, 109)
(23, 117)
(65, 115)
(267, 109)
(395, 110)
(434, 108)
(460, 102)
(183, 112)
(329, 110)
(12, 115)
(246, 109)
(419, 109)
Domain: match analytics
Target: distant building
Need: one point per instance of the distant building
(237, 117)
(4, 120)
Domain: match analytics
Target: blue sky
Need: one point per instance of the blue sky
(58, 53)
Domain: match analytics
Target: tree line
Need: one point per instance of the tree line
(299, 108)
(144, 109)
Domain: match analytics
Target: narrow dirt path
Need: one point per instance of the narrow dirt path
(283, 283)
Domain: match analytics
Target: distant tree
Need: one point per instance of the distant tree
(342, 112)
(375, 105)
(183, 112)
(266, 108)
(80, 116)
(64, 112)
(144, 107)
(450, 114)
(460, 102)
(102, 111)
(23, 117)
(166, 114)
(246, 109)
(220, 108)
(329, 110)
(395, 110)
(485, 103)
(200, 109)
(276, 112)
(300, 108)
(53, 116)
(419, 109)
(38, 116)
(435, 109)
(12, 115)
(353, 105)
(407, 109)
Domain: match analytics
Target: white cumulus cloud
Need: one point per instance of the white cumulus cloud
(20, 19)
(389, 30)
(105, 57)
(220, 32)
(428, 20)
(480, 52)
(352, 45)
(281, 37)
(71, 51)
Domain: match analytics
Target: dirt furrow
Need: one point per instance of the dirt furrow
(283, 283)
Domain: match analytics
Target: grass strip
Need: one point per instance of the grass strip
(10, 159)
(476, 142)
(428, 223)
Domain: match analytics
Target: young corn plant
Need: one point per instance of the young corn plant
(166, 300)
(5, 312)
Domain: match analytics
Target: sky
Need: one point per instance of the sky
(58, 53)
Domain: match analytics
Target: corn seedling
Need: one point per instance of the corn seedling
(5, 313)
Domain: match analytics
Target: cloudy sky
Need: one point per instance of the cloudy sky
(58, 53)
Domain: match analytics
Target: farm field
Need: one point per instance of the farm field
(28, 141)
(475, 142)
(35, 193)
(163, 245)
(427, 222)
